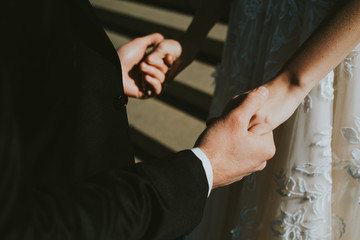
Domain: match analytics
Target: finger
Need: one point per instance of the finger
(260, 129)
(152, 39)
(251, 104)
(154, 59)
(261, 166)
(154, 83)
(169, 60)
(152, 71)
(270, 145)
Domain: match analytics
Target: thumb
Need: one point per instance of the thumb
(252, 103)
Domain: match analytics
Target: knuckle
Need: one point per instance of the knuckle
(158, 35)
(270, 151)
(254, 97)
(160, 47)
(262, 166)
(267, 119)
(164, 69)
(139, 40)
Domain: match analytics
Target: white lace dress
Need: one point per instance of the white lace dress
(311, 189)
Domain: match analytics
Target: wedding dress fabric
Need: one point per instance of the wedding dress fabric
(311, 188)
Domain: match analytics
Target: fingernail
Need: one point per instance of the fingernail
(263, 91)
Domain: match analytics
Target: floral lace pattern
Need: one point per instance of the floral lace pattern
(274, 29)
(289, 187)
(303, 223)
(326, 87)
(348, 60)
(307, 103)
(294, 199)
(352, 165)
(338, 226)
(246, 221)
(323, 141)
(293, 226)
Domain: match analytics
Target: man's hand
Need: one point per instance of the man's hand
(235, 151)
(131, 54)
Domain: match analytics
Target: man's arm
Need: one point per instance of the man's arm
(162, 200)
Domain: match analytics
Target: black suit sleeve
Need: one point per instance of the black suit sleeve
(56, 68)
(161, 200)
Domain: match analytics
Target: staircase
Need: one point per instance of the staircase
(174, 120)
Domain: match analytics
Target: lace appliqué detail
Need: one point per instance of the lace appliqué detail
(253, 7)
(347, 62)
(246, 221)
(326, 87)
(316, 196)
(350, 135)
(352, 166)
(324, 142)
(307, 104)
(293, 226)
(312, 171)
(338, 226)
(289, 187)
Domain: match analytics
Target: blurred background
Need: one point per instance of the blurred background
(173, 120)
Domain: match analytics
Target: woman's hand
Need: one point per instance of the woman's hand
(172, 54)
(284, 98)
(179, 54)
(161, 59)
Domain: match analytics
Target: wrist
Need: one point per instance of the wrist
(291, 85)
(284, 97)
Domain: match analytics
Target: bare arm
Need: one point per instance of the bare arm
(322, 52)
(206, 16)
(184, 49)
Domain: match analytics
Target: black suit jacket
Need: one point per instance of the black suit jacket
(66, 161)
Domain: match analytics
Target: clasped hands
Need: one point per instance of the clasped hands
(235, 145)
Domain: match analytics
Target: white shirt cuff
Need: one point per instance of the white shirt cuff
(207, 166)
